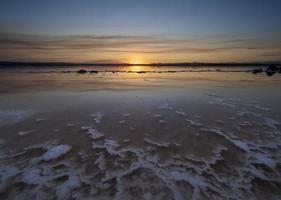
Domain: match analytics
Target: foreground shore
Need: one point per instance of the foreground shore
(196, 135)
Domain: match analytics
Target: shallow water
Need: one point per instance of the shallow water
(187, 135)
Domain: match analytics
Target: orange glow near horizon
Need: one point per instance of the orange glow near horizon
(136, 60)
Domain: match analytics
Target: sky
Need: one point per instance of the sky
(140, 31)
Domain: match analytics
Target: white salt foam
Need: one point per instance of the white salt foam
(126, 114)
(56, 152)
(166, 106)
(181, 113)
(33, 176)
(193, 123)
(92, 132)
(13, 116)
(22, 133)
(97, 117)
(157, 115)
(157, 143)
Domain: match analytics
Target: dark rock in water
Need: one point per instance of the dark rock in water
(93, 72)
(82, 71)
(257, 71)
(269, 73)
(272, 69)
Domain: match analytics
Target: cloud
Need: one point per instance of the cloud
(74, 42)
(23, 45)
(271, 54)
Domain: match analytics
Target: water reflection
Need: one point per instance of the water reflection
(136, 68)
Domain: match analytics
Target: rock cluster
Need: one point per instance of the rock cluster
(83, 71)
(270, 70)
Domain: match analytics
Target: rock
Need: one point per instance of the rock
(257, 71)
(82, 71)
(272, 69)
(269, 73)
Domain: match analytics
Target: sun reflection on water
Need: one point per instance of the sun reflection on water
(136, 68)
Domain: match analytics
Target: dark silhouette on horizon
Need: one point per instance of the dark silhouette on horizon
(4, 64)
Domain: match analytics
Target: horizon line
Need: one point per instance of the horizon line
(61, 63)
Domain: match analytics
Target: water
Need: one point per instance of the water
(185, 135)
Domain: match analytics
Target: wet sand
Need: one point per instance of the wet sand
(190, 135)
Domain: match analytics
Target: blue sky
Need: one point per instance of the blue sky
(175, 25)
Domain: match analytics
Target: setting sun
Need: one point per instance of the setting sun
(136, 60)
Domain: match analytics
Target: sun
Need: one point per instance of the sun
(136, 60)
(136, 63)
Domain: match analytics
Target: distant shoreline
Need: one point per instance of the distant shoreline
(185, 64)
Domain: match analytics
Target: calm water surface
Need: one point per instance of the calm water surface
(124, 135)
